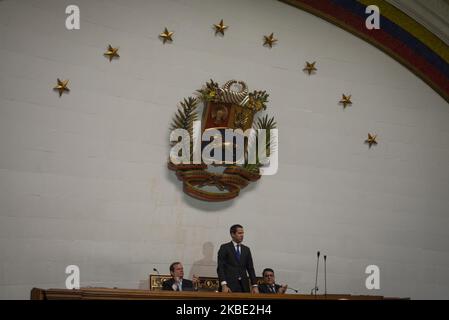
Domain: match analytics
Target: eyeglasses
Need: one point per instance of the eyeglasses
(269, 276)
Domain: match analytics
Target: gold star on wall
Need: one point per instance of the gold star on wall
(310, 67)
(112, 53)
(166, 35)
(220, 28)
(62, 86)
(269, 40)
(371, 139)
(346, 100)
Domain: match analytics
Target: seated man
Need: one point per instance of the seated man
(269, 285)
(177, 282)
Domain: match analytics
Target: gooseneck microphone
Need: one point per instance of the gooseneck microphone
(325, 276)
(155, 270)
(288, 288)
(314, 290)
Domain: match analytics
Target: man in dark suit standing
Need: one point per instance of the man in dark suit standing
(269, 283)
(177, 282)
(235, 263)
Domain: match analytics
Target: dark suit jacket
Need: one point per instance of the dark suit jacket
(187, 285)
(264, 288)
(230, 269)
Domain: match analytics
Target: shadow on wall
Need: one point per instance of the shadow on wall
(206, 267)
(205, 205)
(144, 284)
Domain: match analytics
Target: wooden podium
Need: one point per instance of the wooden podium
(135, 294)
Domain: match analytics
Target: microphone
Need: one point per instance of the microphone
(158, 281)
(325, 284)
(316, 273)
(288, 288)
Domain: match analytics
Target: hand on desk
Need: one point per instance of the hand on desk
(225, 289)
(255, 289)
(283, 288)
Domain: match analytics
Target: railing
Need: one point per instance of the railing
(135, 294)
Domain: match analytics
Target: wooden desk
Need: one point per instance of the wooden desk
(205, 283)
(135, 294)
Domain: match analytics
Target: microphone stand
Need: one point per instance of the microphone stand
(158, 281)
(325, 277)
(314, 290)
(288, 288)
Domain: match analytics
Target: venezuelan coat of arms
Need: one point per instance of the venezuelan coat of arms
(228, 137)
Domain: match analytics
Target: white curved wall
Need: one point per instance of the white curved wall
(83, 178)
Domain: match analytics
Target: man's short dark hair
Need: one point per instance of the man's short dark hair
(267, 270)
(234, 228)
(172, 266)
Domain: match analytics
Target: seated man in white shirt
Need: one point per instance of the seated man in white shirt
(177, 282)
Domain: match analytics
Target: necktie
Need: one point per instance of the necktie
(237, 252)
(180, 286)
(273, 289)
